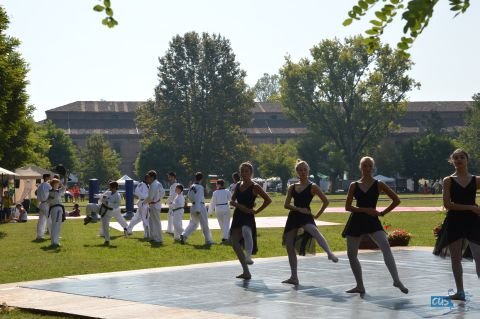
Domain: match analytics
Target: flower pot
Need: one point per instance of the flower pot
(398, 241)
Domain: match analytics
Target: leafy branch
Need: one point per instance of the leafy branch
(415, 13)
(109, 20)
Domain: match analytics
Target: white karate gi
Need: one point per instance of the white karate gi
(110, 208)
(43, 220)
(55, 213)
(171, 197)
(198, 213)
(155, 195)
(177, 208)
(220, 205)
(141, 191)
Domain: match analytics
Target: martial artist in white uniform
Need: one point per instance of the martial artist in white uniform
(111, 201)
(42, 196)
(220, 205)
(155, 195)
(172, 178)
(56, 210)
(198, 212)
(236, 179)
(141, 191)
(177, 208)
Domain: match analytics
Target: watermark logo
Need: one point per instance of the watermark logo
(441, 302)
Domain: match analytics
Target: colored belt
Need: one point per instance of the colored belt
(222, 204)
(178, 208)
(193, 203)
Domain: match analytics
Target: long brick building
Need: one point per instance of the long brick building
(116, 121)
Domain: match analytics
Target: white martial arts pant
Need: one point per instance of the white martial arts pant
(177, 218)
(195, 219)
(223, 217)
(43, 220)
(155, 226)
(117, 214)
(140, 215)
(170, 226)
(56, 224)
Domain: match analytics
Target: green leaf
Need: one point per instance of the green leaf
(371, 1)
(109, 12)
(402, 46)
(105, 21)
(381, 15)
(357, 10)
(347, 22)
(107, 3)
(98, 8)
(362, 4)
(376, 23)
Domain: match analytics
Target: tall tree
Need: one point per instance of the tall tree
(267, 88)
(426, 156)
(277, 160)
(415, 13)
(346, 94)
(99, 160)
(469, 135)
(160, 156)
(16, 122)
(61, 149)
(201, 102)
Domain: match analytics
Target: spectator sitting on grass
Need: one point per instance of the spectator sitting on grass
(75, 212)
(20, 215)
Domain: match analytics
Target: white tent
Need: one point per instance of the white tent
(4, 171)
(28, 177)
(121, 180)
(390, 181)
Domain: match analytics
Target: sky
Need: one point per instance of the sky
(73, 57)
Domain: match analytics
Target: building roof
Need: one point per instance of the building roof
(260, 107)
(99, 106)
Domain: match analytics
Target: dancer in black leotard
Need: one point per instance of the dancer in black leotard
(462, 224)
(300, 224)
(364, 221)
(243, 229)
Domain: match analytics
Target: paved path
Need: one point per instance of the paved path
(211, 291)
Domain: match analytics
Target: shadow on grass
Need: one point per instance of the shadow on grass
(203, 247)
(53, 249)
(2, 235)
(156, 244)
(39, 240)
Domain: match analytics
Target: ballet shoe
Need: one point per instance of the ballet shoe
(356, 290)
(458, 296)
(333, 258)
(244, 276)
(291, 281)
(400, 286)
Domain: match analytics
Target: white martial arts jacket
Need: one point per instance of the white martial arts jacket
(155, 195)
(196, 195)
(220, 200)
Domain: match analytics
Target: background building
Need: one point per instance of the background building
(116, 121)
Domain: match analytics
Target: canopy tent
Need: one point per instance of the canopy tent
(4, 171)
(390, 181)
(28, 177)
(121, 180)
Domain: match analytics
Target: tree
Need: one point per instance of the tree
(468, 138)
(16, 122)
(61, 149)
(267, 88)
(99, 161)
(416, 14)
(160, 156)
(388, 158)
(201, 102)
(277, 160)
(346, 95)
(427, 156)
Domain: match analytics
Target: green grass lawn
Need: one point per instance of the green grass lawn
(82, 251)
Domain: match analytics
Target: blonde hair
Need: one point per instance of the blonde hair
(366, 158)
(301, 162)
(458, 151)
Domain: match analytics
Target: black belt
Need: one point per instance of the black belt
(103, 210)
(178, 208)
(222, 204)
(193, 203)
